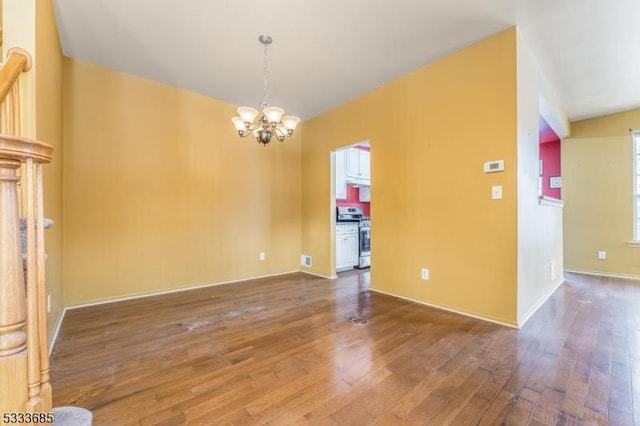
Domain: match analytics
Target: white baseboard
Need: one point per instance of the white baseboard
(173, 290)
(443, 308)
(540, 302)
(602, 274)
(315, 274)
(56, 330)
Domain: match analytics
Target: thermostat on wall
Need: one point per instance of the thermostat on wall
(494, 166)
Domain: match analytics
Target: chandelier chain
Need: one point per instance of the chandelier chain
(265, 102)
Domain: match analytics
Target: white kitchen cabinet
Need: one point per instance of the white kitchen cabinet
(341, 174)
(346, 247)
(365, 164)
(353, 163)
(358, 166)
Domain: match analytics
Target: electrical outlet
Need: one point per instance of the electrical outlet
(602, 255)
(48, 303)
(424, 274)
(552, 270)
(262, 256)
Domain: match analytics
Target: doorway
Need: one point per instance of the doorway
(351, 201)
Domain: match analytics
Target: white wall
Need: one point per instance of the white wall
(539, 226)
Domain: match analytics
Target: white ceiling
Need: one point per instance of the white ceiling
(327, 52)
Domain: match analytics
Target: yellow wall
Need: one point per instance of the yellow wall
(48, 68)
(19, 30)
(160, 193)
(430, 133)
(597, 170)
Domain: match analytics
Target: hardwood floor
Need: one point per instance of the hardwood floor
(284, 350)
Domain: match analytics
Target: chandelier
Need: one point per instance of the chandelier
(270, 121)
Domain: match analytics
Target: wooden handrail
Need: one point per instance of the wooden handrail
(19, 148)
(18, 61)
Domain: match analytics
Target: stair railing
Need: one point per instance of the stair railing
(24, 356)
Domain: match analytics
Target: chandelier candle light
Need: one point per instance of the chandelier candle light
(269, 121)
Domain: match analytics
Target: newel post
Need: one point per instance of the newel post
(13, 338)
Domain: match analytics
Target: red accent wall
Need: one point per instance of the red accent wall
(546, 132)
(550, 156)
(353, 193)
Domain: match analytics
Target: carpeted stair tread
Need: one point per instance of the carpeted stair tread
(72, 416)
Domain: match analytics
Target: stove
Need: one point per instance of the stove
(355, 214)
(348, 214)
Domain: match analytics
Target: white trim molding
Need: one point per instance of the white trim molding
(56, 331)
(443, 308)
(175, 290)
(315, 274)
(539, 304)
(603, 274)
(550, 201)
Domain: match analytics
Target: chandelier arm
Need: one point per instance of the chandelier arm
(250, 128)
(280, 134)
(256, 124)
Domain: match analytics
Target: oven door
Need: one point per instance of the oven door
(365, 241)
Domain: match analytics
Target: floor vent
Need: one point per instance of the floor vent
(359, 320)
(305, 260)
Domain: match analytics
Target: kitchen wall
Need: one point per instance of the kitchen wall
(597, 167)
(353, 200)
(550, 155)
(160, 193)
(430, 132)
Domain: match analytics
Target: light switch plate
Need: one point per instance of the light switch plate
(496, 192)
